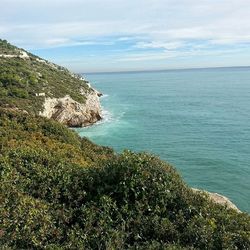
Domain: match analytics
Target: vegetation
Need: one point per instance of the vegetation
(60, 191)
(21, 79)
(7, 49)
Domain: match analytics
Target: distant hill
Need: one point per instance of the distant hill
(33, 84)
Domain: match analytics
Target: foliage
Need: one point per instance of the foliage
(21, 80)
(6, 48)
(60, 191)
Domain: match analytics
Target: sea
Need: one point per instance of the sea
(198, 120)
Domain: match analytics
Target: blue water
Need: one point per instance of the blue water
(198, 120)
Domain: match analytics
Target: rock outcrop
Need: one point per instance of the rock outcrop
(72, 113)
(218, 198)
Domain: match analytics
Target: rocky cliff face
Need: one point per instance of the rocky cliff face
(72, 113)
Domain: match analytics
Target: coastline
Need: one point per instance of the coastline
(218, 199)
(213, 196)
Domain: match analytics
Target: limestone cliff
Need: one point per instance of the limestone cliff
(72, 113)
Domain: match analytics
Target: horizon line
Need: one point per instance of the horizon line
(161, 70)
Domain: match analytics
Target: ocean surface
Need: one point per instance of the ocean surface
(197, 120)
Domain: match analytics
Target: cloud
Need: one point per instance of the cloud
(162, 21)
(166, 55)
(157, 45)
(151, 29)
(137, 57)
(63, 42)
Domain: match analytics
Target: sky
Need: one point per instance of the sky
(124, 35)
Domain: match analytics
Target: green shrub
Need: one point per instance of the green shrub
(59, 191)
(23, 79)
(17, 92)
(3, 92)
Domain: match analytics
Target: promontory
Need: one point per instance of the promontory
(37, 86)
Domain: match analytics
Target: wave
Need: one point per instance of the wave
(104, 96)
(107, 116)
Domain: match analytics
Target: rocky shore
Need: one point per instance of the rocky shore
(72, 113)
(218, 198)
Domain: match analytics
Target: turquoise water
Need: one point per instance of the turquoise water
(198, 120)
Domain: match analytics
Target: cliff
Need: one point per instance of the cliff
(72, 113)
(30, 83)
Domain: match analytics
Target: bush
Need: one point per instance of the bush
(23, 79)
(59, 191)
(17, 92)
(3, 92)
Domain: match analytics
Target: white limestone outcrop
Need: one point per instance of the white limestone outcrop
(72, 113)
(22, 54)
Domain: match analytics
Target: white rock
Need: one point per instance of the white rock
(23, 55)
(40, 94)
(72, 113)
(218, 198)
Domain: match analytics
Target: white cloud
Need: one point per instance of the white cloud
(147, 57)
(193, 27)
(159, 45)
(165, 55)
(162, 21)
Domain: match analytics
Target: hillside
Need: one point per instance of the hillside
(30, 83)
(60, 191)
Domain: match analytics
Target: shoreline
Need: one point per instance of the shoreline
(218, 199)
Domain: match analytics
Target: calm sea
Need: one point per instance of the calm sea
(197, 120)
